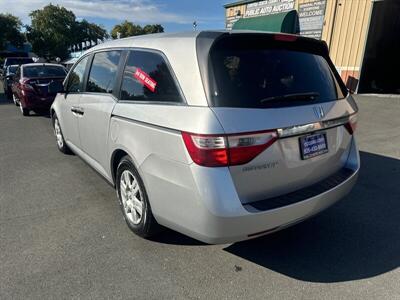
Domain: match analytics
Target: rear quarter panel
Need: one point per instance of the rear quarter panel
(151, 135)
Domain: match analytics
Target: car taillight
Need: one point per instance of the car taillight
(25, 85)
(285, 37)
(351, 126)
(227, 150)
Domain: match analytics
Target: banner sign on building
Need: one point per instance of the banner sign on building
(230, 21)
(311, 18)
(268, 7)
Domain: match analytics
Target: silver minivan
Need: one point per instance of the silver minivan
(222, 136)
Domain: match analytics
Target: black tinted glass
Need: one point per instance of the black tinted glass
(75, 78)
(261, 77)
(44, 71)
(18, 61)
(103, 72)
(147, 78)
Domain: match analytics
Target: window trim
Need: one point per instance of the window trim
(121, 68)
(183, 101)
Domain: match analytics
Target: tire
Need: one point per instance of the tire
(132, 196)
(9, 94)
(61, 145)
(15, 100)
(25, 112)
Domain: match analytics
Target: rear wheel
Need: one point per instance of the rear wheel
(15, 100)
(133, 200)
(24, 111)
(61, 145)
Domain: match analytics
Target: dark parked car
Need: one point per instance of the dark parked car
(30, 86)
(16, 61)
(8, 79)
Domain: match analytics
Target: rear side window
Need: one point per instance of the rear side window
(103, 72)
(266, 75)
(75, 78)
(148, 78)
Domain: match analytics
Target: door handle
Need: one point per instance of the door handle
(77, 110)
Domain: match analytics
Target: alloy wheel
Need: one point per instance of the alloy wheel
(131, 197)
(57, 132)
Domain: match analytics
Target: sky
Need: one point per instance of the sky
(173, 15)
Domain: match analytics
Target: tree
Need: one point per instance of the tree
(54, 29)
(51, 31)
(126, 29)
(90, 32)
(155, 28)
(10, 31)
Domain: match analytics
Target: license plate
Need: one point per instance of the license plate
(313, 145)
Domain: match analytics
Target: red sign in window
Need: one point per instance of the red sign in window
(145, 79)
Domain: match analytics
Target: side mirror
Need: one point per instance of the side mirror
(10, 75)
(55, 87)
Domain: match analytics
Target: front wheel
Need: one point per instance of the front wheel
(133, 200)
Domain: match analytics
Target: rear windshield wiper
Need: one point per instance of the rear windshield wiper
(299, 96)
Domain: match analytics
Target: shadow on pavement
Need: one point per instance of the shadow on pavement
(3, 98)
(170, 237)
(357, 238)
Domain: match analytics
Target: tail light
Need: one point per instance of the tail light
(26, 86)
(285, 37)
(351, 126)
(227, 150)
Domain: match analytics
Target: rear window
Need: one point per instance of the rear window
(44, 71)
(264, 75)
(12, 69)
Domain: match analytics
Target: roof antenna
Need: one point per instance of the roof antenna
(194, 25)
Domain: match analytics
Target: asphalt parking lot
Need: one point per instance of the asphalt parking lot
(62, 234)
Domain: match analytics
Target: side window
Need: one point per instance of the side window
(103, 72)
(75, 78)
(148, 78)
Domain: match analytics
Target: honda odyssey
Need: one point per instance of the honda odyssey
(222, 136)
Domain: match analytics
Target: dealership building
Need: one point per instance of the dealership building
(363, 36)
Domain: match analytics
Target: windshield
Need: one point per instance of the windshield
(269, 76)
(44, 71)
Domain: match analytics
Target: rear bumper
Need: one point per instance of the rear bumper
(31, 101)
(217, 216)
(253, 224)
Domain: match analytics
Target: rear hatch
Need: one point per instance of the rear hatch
(286, 88)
